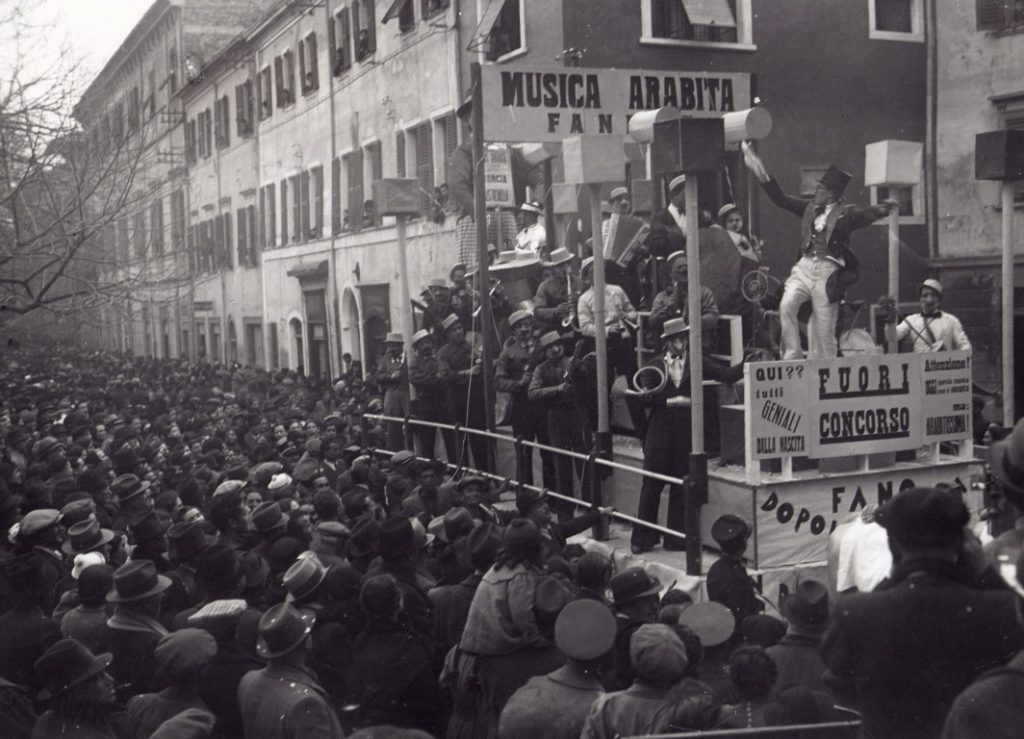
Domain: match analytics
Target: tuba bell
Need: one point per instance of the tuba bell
(648, 380)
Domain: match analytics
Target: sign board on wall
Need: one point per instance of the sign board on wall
(498, 189)
(857, 405)
(549, 103)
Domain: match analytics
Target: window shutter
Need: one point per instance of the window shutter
(991, 14)
(355, 189)
(254, 258)
(424, 165)
(332, 42)
(263, 218)
(336, 196)
(190, 248)
(313, 72)
(355, 30)
(272, 219)
(227, 240)
(346, 40)
(304, 204)
(318, 202)
(450, 140)
(302, 65)
(217, 244)
(400, 152)
(371, 27)
(279, 80)
(295, 185)
(243, 238)
(284, 212)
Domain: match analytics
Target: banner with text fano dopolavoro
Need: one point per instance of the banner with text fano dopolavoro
(549, 103)
(857, 405)
(777, 409)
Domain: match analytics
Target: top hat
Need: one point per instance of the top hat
(676, 183)
(924, 517)
(186, 539)
(517, 316)
(631, 584)
(673, 327)
(267, 516)
(730, 529)
(807, 606)
(283, 628)
(551, 337)
(1006, 459)
(126, 487)
(397, 538)
(86, 536)
(420, 335)
(136, 580)
(835, 179)
(712, 622)
(393, 337)
(561, 255)
(303, 578)
(450, 321)
(585, 630)
(532, 206)
(932, 284)
(68, 663)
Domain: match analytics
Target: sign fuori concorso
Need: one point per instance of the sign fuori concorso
(539, 103)
(857, 405)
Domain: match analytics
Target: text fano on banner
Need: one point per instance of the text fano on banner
(549, 103)
(857, 405)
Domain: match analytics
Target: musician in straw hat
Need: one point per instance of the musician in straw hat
(393, 376)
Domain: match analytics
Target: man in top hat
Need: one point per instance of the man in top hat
(285, 700)
(667, 442)
(668, 226)
(796, 654)
(532, 238)
(672, 302)
(931, 330)
(826, 266)
(728, 581)
(393, 376)
(430, 400)
(458, 369)
(931, 612)
(512, 372)
(555, 303)
(556, 705)
(134, 628)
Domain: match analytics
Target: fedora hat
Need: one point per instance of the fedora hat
(674, 327)
(561, 255)
(283, 628)
(807, 606)
(924, 517)
(303, 578)
(631, 584)
(186, 539)
(68, 663)
(712, 622)
(458, 522)
(86, 536)
(267, 517)
(136, 580)
(1006, 459)
(37, 521)
(835, 179)
(125, 459)
(128, 486)
(585, 630)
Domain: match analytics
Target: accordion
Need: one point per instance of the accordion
(624, 236)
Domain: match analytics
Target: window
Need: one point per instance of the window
(191, 141)
(431, 7)
(400, 153)
(268, 217)
(317, 186)
(405, 11)
(172, 69)
(364, 24)
(999, 15)
(221, 123)
(217, 244)
(339, 32)
(353, 165)
(284, 71)
(139, 234)
(304, 180)
(242, 229)
(500, 31)
(445, 141)
(895, 20)
(272, 348)
(225, 244)
(156, 225)
(336, 196)
(133, 109)
(190, 247)
(266, 94)
(151, 97)
(254, 255)
(295, 185)
(1013, 119)
(244, 108)
(177, 219)
(308, 72)
(726, 23)
(205, 126)
(422, 135)
(284, 212)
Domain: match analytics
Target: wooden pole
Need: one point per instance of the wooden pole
(1009, 407)
(408, 329)
(480, 215)
(600, 340)
(696, 493)
(894, 266)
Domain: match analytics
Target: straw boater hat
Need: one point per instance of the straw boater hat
(618, 192)
(676, 184)
(394, 338)
(551, 337)
(561, 255)
(673, 327)
(420, 335)
(517, 316)
(532, 206)
(450, 321)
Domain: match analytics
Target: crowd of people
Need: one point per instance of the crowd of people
(193, 551)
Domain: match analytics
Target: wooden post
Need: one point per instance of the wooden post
(894, 267)
(480, 215)
(604, 433)
(408, 329)
(696, 494)
(1009, 407)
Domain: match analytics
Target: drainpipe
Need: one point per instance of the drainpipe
(333, 326)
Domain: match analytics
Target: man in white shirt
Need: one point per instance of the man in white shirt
(933, 330)
(532, 238)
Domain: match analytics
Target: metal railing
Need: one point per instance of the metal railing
(592, 462)
(830, 730)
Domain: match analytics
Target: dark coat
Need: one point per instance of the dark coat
(108, 723)
(730, 585)
(451, 609)
(25, 633)
(992, 707)
(147, 711)
(796, 657)
(16, 713)
(281, 702)
(902, 652)
(218, 686)
(133, 642)
(415, 602)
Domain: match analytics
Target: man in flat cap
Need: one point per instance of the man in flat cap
(826, 266)
(932, 613)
